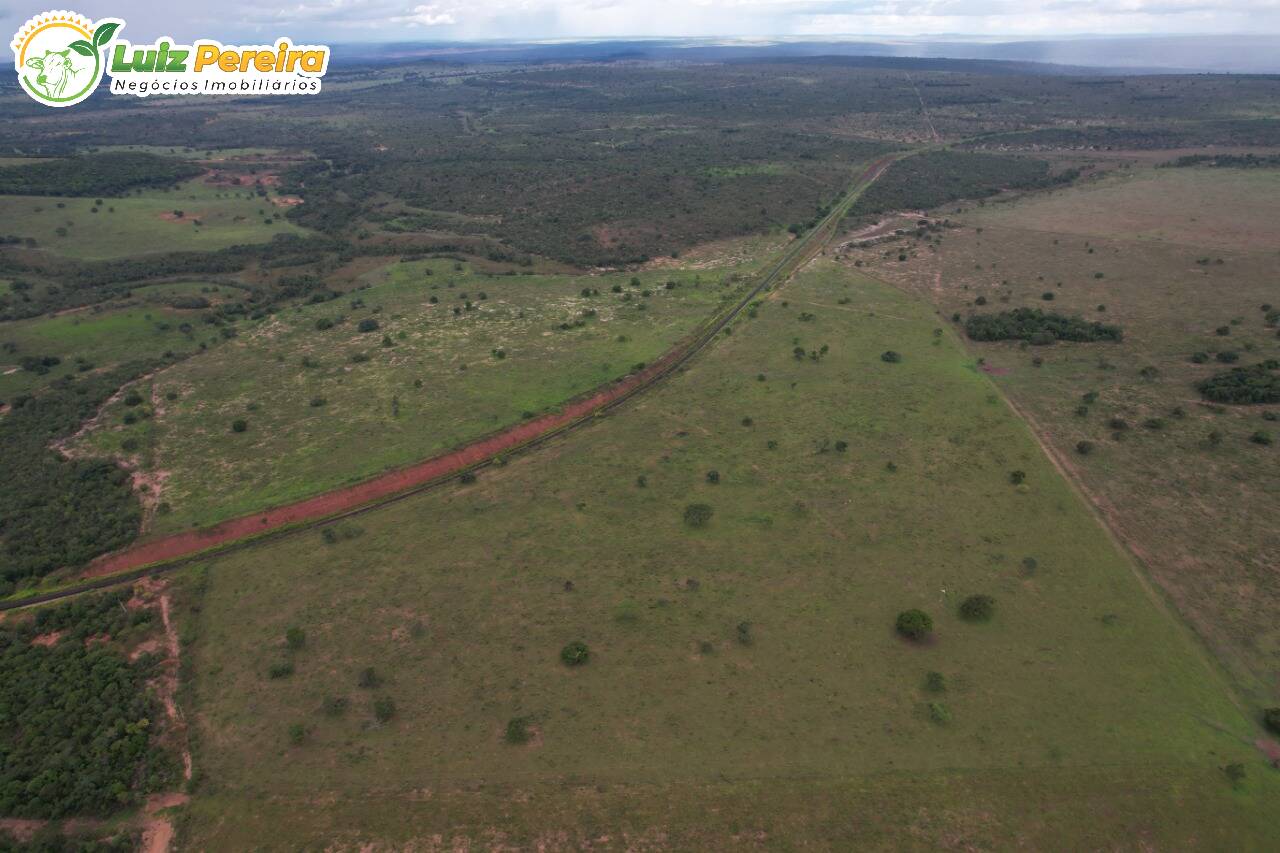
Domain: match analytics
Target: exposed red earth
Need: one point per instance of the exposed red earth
(130, 563)
(382, 486)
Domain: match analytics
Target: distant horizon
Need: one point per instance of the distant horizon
(380, 21)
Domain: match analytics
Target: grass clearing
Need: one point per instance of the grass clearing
(745, 684)
(433, 375)
(101, 339)
(1200, 512)
(144, 223)
(1224, 208)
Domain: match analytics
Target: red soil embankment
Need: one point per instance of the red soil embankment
(440, 467)
(381, 486)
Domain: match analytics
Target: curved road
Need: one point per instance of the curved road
(169, 552)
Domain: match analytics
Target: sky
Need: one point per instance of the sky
(415, 20)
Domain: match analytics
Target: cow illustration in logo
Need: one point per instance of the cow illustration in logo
(57, 73)
(58, 56)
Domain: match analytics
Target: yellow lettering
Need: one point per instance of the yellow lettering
(313, 60)
(263, 61)
(228, 61)
(206, 54)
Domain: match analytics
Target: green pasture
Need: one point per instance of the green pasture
(745, 685)
(143, 222)
(336, 405)
(99, 339)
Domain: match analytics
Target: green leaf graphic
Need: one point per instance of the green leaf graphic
(103, 34)
(81, 47)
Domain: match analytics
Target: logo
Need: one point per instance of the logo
(61, 58)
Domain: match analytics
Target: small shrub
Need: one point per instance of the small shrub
(939, 713)
(914, 624)
(317, 402)
(978, 608)
(368, 678)
(575, 654)
(744, 635)
(133, 398)
(333, 706)
(697, 515)
(368, 324)
(1271, 719)
(890, 357)
(297, 733)
(1235, 774)
(239, 425)
(1084, 448)
(713, 477)
(467, 477)
(518, 729)
(1017, 478)
(383, 709)
(1261, 437)
(280, 669)
(295, 638)
(935, 682)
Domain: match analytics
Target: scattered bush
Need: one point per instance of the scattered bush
(978, 608)
(1271, 719)
(939, 713)
(914, 624)
(239, 425)
(280, 669)
(1084, 448)
(1261, 437)
(518, 727)
(295, 638)
(575, 654)
(297, 733)
(368, 324)
(1017, 478)
(368, 678)
(697, 515)
(383, 709)
(890, 357)
(935, 682)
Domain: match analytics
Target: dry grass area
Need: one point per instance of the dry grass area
(1171, 255)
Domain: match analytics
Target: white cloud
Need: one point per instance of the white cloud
(390, 20)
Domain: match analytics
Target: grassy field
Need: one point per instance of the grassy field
(436, 374)
(1221, 208)
(100, 339)
(745, 686)
(145, 222)
(1201, 512)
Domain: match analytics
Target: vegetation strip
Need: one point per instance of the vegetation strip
(173, 551)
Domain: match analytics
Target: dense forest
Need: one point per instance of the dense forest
(56, 511)
(75, 719)
(1244, 385)
(936, 177)
(1038, 327)
(106, 174)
